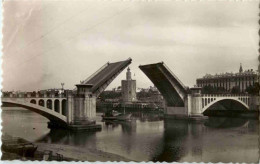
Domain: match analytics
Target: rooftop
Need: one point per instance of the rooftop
(230, 74)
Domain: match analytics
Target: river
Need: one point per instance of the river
(149, 138)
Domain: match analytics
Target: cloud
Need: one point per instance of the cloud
(203, 13)
(193, 38)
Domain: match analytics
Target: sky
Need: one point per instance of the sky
(48, 42)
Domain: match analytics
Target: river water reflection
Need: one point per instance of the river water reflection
(149, 137)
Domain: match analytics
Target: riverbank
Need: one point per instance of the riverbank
(59, 152)
(81, 154)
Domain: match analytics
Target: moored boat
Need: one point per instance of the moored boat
(114, 115)
(18, 146)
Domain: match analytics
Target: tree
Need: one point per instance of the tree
(33, 94)
(253, 89)
(110, 95)
(143, 94)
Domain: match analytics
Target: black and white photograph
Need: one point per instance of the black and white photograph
(130, 81)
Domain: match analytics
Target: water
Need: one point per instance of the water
(149, 137)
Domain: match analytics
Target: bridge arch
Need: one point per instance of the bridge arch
(57, 105)
(33, 101)
(49, 114)
(64, 107)
(208, 105)
(41, 102)
(49, 104)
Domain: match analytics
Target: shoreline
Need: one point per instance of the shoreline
(80, 154)
(68, 152)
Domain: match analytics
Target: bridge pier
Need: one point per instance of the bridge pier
(192, 109)
(81, 109)
(69, 108)
(52, 105)
(60, 107)
(183, 113)
(254, 103)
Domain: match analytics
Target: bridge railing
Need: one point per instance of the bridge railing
(207, 99)
(224, 95)
(32, 95)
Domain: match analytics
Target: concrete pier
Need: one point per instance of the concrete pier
(82, 106)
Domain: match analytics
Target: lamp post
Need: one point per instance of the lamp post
(62, 89)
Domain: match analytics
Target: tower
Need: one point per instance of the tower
(128, 74)
(128, 88)
(240, 69)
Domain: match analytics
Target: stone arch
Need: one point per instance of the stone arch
(64, 107)
(41, 102)
(33, 101)
(57, 106)
(49, 104)
(221, 99)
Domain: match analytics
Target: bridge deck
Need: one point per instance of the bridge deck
(167, 83)
(106, 73)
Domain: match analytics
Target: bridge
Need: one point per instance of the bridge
(207, 100)
(172, 89)
(74, 109)
(53, 108)
(105, 75)
(182, 101)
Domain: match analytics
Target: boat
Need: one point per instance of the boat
(19, 146)
(114, 115)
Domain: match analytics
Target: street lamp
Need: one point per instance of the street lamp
(62, 84)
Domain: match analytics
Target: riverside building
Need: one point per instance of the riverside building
(241, 79)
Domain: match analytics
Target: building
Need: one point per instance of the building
(128, 88)
(154, 95)
(151, 95)
(241, 80)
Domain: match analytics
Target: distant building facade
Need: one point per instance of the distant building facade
(128, 88)
(150, 96)
(241, 80)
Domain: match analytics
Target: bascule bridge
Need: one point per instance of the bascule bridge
(73, 110)
(181, 101)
